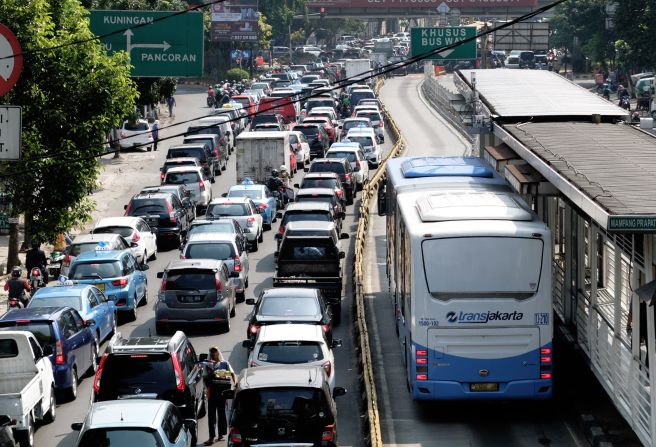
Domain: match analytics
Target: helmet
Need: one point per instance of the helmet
(274, 172)
(283, 168)
(16, 272)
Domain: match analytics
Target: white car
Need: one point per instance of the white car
(301, 148)
(133, 229)
(222, 121)
(369, 107)
(355, 123)
(244, 211)
(192, 178)
(135, 135)
(354, 153)
(291, 344)
(377, 122)
(366, 136)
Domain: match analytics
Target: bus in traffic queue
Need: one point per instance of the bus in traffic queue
(469, 265)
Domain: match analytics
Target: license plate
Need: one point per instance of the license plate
(484, 386)
(54, 266)
(190, 298)
(100, 286)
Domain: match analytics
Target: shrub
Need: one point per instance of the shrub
(236, 74)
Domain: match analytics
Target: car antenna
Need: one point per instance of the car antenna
(149, 334)
(121, 416)
(309, 376)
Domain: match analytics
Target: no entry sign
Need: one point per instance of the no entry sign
(11, 59)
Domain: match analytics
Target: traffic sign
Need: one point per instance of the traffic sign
(11, 59)
(159, 43)
(10, 132)
(423, 40)
(443, 8)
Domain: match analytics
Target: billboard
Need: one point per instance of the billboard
(422, 4)
(522, 36)
(235, 20)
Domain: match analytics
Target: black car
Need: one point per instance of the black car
(183, 194)
(262, 118)
(317, 138)
(6, 433)
(341, 167)
(218, 146)
(201, 151)
(163, 212)
(289, 305)
(164, 368)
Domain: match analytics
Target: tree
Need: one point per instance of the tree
(265, 31)
(635, 24)
(70, 95)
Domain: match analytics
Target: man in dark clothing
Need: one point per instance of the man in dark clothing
(35, 257)
(219, 377)
(17, 286)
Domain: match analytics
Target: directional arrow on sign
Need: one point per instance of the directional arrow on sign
(129, 47)
(445, 53)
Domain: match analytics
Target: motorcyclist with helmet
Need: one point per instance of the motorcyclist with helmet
(35, 257)
(284, 176)
(17, 286)
(275, 185)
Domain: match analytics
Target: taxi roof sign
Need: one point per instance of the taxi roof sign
(103, 246)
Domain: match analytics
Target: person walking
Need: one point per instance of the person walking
(170, 101)
(219, 377)
(154, 130)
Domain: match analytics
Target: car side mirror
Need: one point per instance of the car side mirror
(203, 357)
(342, 215)
(344, 236)
(338, 391)
(134, 244)
(47, 350)
(125, 207)
(89, 323)
(144, 267)
(275, 254)
(306, 169)
(228, 394)
(297, 186)
(225, 194)
(234, 274)
(248, 344)
(76, 426)
(336, 343)
(250, 301)
(342, 255)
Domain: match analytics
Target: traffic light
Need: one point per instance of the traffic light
(322, 12)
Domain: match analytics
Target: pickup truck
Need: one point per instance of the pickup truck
(27, 384)
(311, 257)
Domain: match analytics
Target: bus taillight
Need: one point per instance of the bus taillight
(422, 361)
(422, 376)
(422, 352)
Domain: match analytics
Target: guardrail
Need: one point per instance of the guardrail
(371, 422)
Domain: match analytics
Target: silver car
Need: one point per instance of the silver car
(192, 178)
(244, 211)
(133, 422)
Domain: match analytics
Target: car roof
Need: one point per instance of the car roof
(330, 160)
(230, 200)
(96, 237)
(162, 188)
(64, 290)
(113, 255)
(303, 376)
(367, 131)
(122, 221)
(291, 332)
(357, 118)
(355, 148)
(245, 187)
(212, 237)
(290, 292)
(152, 195)
(311, 175)
(199, 221)
(127, 413)
(33, 313)
(310, 225)
(202, 136)
(196, 169)
(317, 191)
(308, 206)
(178, 264)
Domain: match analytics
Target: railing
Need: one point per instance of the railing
(371, 422)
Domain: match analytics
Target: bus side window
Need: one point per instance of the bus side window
(382, 198)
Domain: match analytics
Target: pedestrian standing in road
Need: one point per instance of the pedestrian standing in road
(219, 378)
(170, 101)
(154, 130)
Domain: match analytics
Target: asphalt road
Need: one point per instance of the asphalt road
(453, 424)
(138, 169)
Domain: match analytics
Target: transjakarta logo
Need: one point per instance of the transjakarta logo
(483, 317)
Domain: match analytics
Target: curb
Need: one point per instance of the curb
(594, 432)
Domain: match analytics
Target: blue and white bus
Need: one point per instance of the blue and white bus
(470, 268)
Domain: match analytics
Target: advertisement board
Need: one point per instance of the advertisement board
(235, 20)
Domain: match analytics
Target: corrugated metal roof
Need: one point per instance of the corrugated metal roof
(614, 164)
(535, 93)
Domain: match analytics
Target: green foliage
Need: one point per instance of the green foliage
(265, 32)
(236, 74)
(70, 97)
(635, 23)
(143, 5)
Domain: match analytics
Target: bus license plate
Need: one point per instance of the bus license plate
(484, 386)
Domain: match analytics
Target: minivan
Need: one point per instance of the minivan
(201, 151)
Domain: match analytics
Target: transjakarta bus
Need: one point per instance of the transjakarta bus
(470, 268)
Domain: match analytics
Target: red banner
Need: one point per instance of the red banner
(462, 4)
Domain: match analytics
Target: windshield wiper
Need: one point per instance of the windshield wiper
(93, 275)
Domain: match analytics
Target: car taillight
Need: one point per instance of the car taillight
(422, 376)
(237, 264)
(218, 285)
(328, 367)
(161, 176)
(263, 206)
(325, 328)
(67, 259)
(127, 210)
(381, 124)
(235, 436)
(162, 288)
(347, 177)
(36, 272)
(179, 378)
(357, 165)
(120, 282)
(202, 185)
(254, 329)
(281, 230)
(340, 193)
(216, 151)
(135, 236)
(60, 358)
(96, 378)
(250, 221)
(328, 433)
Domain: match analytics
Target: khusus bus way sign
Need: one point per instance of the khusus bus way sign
(424, 40)
(159, 43)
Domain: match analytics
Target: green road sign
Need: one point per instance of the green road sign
(169, 47)
(423, 40)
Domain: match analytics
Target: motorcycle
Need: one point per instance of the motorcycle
(36, 280)
(210, 101)
(14, 303)
(625, 103)
(55, 262)
(283, 195)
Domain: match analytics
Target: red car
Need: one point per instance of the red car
(327, 124)
(247, 102)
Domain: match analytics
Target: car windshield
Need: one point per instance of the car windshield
(290, 352)
(138, 373)
(314, 198)
(181, 178)
(250, 193)
(78, 249)
(356, 124)
(174, 164)
(135, 126)
(56, 301)
(320, 183)
(207, 141)
(304, 217)
(363, 140)
(263, 403)
(190, 279)
(350, 156)
(95, 270)
(373, 116)
(289, 307)
(302, 251)
(309, 131)
(243, 101)
(106, 437)
(42, 330)
(191, 152)
(227, 209)
(260, 86)
(199, 130)
(327, 167)
(209, 250)
(219, 227)
(123, 231)
(147, 206)
(261, 118)
(308, 79)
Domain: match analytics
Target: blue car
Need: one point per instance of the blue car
(90, 303)
(261, 196)
(67, 339)
(117, 274)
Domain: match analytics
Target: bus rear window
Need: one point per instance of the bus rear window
(482, 267)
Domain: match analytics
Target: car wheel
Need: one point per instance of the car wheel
(260, 238)
(337, 314)
(241, 296)
(225, 326)
(144, 301)
(51, 415)
(202, 411)
(71, 392)
(349, 199)
(254, 246)
(144, 258)
(26, 438)
(233, 311)
(94, 360)
(266, 226)
(153, 257)
(114, 325)
(246, 284)
(133, 313)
